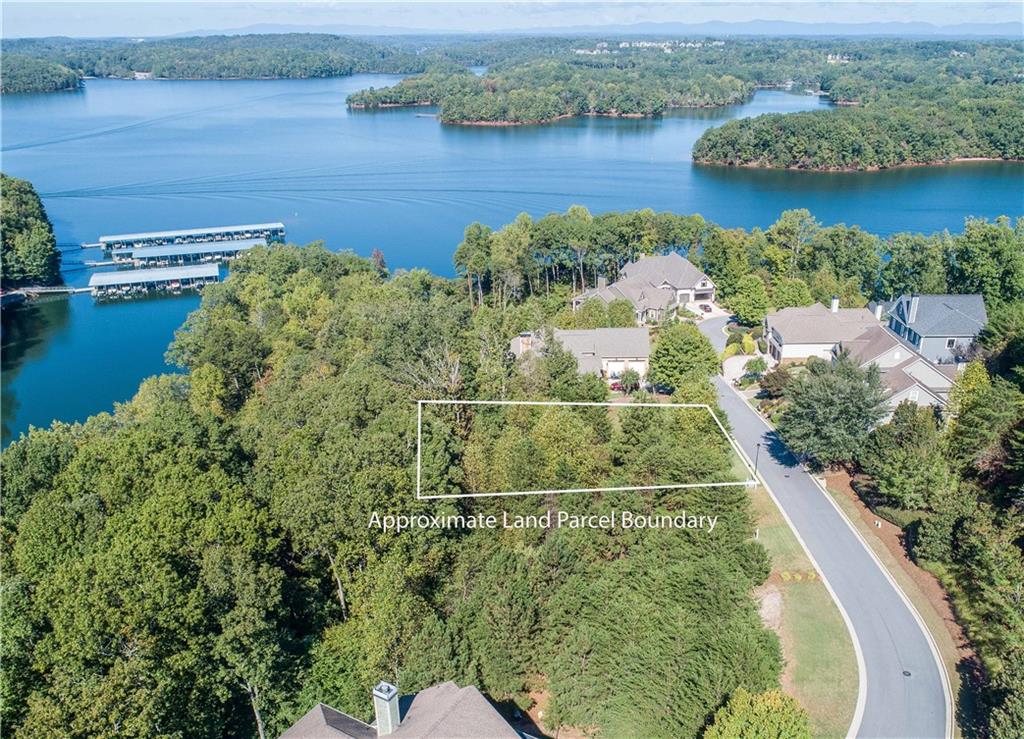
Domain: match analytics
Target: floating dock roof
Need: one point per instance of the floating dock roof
(197, 248)
(184, 233)
(148, 276)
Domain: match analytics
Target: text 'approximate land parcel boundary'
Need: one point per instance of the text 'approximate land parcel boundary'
(752, 481)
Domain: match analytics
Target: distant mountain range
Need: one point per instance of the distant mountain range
(709, 28)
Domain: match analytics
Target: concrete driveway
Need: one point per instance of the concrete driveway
(904, 689)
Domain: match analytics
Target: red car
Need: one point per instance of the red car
(705, 307)
(617, 387)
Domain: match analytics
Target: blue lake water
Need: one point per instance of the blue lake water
(140, 156)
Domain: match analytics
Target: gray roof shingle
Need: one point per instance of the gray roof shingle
(944, 315)
(447, 711)
(672, 268)
(605, 342)
(816, 324)
(324, 722)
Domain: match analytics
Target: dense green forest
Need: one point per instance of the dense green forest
(933, 102)
(918, 101)
(794, 261)
(21, 73)
(212, 57)
(199, 561)
(972, 121)
(30, 255)
(545, 90)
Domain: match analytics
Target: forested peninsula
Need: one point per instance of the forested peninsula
(259, 56)
(199, 562)
(22, 73)
(936, 105)
(30, 255)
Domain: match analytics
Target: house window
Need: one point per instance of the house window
(950, 343)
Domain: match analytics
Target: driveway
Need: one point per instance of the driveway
(904, 688)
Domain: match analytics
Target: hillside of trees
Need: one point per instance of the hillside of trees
(542, 91)
(219, 57)
(936, 103)
(30, 255)
(918, 101)
(23, 73)
(199, 562)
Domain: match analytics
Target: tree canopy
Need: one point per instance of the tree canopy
(30, 254)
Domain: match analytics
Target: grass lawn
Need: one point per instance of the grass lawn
(821, 669)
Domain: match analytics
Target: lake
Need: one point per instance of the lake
(123, 156)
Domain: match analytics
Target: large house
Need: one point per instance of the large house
(906, 374)
(444, 711)
(814, 330)
(940, 327)
(606, 352)
(655, 285)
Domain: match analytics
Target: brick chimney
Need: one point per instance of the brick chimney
(385, 708)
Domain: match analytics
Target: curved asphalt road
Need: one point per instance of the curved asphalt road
(907, 692)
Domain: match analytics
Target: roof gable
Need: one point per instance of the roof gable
(943, 315)
(672, 268)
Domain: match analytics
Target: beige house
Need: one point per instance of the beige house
(605, 352)
(813, 331)
(906, 374)
(655, 285)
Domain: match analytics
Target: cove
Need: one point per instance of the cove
(121, 156)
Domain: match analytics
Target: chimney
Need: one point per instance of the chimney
(385, 708)
(835, 304)
(912, 313)
(878, 311)
(602, 282)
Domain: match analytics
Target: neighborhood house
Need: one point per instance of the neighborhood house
(606, 352)
(444, 711)
(906, 374)
(655, 286)
(813, 331)
(939, 327)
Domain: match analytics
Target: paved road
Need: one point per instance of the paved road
(905, 694)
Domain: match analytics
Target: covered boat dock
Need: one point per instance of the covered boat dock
(126, 283)
(200, 251)
(269, 232)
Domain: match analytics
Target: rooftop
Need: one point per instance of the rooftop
(943, 315)
(816, 324)
(672, 268)
(324, 722)
(642, 294)
(161, 274)
(192, 232)
(605, 342)
(447, 711)
(199, 247)
(444, 711)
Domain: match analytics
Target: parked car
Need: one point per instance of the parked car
(705, 307)
(617, 387)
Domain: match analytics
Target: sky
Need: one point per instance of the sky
(156, 18)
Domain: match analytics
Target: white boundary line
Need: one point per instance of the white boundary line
(862, 693)
(732, 442)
